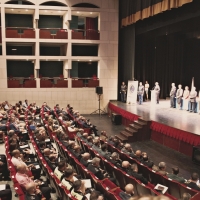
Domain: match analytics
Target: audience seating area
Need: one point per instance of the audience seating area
(60, 34)
(13, 33)
(109, 189)
(13, 83)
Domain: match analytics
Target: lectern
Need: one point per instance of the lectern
(153, 96)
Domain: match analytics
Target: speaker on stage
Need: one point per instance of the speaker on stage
(99, 90)
(116, 119)
(196, 155)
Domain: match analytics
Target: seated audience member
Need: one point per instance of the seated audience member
(162, 168)
(118, 144)
(125, 166)
(186, 196)
(16, 161)
(4, 168)
(77, 152)
(60, 169)
(128, 150)
(104, 151)
(134, 172)
(111, 140)
(94, 167)
(96, 145)
(80, 133)
(115, 160)
(25, 104)
(193, 182)
(89, 141)
(145, 160)
(103, 136)
(32, 193)
(129, 192)
(67, 179)
(84, 137)
(52, 161)
(96, 195)
(138, 155)
(84, 159)
(78, 190)
(23, 179)
(174, 175)
(7, 193)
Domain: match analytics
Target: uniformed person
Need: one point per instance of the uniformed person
(123, 92)
(179, 95)
(192, 97)
(140, 93)
(172, 96)
(157, 92)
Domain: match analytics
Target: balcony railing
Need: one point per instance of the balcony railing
(21, 82)
(20, 32)
(84, 82)
(53, 33)
(83, 34)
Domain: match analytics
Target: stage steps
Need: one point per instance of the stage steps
(137, 131)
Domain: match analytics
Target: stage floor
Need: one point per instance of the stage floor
(162, 113)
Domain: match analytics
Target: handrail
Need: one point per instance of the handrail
(86, 30)
(52, 29)
(20, 28)
(92, 78)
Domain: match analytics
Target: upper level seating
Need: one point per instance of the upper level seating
(26, 33)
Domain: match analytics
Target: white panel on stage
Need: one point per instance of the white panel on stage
(132, 92)
(153, 96)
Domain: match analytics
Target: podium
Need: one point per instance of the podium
(153, 96)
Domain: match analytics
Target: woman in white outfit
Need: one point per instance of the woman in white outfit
(146, 88)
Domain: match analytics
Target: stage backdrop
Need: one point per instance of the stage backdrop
(132, 92)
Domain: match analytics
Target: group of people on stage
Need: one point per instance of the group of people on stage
(142, 90)
(178, 95)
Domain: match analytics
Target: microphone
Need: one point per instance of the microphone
(135, 79)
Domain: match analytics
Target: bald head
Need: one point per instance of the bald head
(31, 187)
(47, 151)
(86, 156)
(138, 153)
(129, 189)
(85, 135)
(16, 153)
(21, 168)
(125, 164)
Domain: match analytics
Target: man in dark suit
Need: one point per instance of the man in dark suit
(96, 145)
(193, 181)
(174, 175)
(114, 159)
(172, 96)
(128, 150)
(145, 160)
(84, 159)
(129, 192)
(134, 172)
(104, 152)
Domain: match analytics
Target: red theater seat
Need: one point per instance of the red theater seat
(29, 33)
(45, 34)
(93, 83)
(13, 84)
(30, 84)
(46, 84)
(62, 83)
(61, 34)
(12, 33)
(77, 35)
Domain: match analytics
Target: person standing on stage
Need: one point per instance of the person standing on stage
(172, 96)
(140, 93)
(146, 86)
(186, 94)
(123, 92)
(192, 97)
(179, 95)
(157, 91)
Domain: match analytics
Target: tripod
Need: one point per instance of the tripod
(98, 111)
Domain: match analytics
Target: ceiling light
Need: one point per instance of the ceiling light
(90, 60)
(90, 12)
(26, 9)
(59, 10)
(78, 12)
(78, 60)
(14, 49)
(12, 9)
(45, 11)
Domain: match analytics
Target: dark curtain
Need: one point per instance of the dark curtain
(141, 9)
(167, 59)
(90, 23)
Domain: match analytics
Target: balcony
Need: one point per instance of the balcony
(85, 82)
(57, 82)
(21, 82)
(82, 34)
(49, 33)
(20, 32)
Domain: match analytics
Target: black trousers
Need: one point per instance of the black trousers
(45, 191)
(6, 193)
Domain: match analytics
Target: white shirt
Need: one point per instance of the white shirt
(17, 161)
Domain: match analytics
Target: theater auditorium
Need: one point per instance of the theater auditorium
(99, 100)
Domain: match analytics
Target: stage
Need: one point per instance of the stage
(177, 129)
